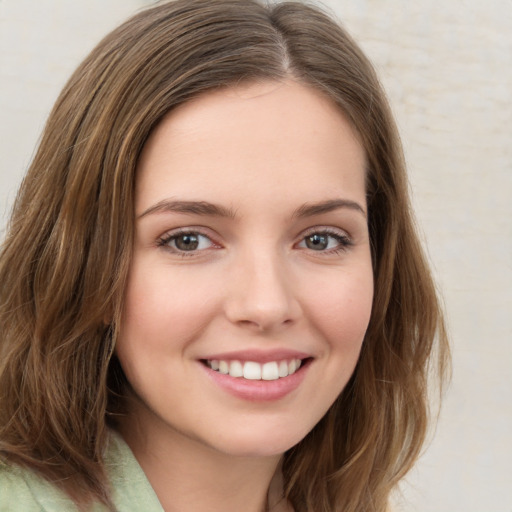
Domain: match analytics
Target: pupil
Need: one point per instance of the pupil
(316, 242)
(187, 242)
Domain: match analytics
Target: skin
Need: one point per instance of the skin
(263, 153)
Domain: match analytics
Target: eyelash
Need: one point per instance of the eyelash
(344, 242)
(166, 239)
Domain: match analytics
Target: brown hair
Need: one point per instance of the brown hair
(64, 262)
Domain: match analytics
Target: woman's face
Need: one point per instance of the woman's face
(251, 258)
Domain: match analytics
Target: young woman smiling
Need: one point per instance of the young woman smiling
(212, 294)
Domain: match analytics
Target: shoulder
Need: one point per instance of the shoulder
(130, 487)
(25, 491)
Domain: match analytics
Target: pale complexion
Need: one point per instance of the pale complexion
(251, 243)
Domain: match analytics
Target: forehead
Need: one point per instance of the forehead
(284, 134)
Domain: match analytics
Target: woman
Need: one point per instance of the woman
(219, 300)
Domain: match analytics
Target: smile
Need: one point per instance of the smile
(251, 370)
(258, 375)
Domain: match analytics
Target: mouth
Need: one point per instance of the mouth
(252, 370)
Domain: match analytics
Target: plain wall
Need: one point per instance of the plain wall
(447, 67)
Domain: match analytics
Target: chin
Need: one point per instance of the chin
(261, 443)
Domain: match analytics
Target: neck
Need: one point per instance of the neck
(189, 475)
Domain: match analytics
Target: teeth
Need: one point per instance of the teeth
(270, 371)
(236, 369)
(250, 370)
(224, 367)
(283, 369)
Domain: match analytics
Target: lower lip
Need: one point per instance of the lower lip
(258, 390)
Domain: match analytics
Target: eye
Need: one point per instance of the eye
(186, 241)
(325, 241)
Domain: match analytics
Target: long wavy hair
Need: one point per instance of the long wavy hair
(65, 258)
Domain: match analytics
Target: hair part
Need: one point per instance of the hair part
(65, 259)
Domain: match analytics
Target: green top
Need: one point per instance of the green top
(22, 490)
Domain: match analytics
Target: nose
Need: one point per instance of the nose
(261, 294)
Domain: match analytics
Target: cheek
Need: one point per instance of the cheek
(342, 309)
(163, 313)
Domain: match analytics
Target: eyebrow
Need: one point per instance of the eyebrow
(311, 209)
(190, 207)
(210, 209)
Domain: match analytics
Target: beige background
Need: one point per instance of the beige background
(447, 67)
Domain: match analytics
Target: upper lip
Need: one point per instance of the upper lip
(258, 356)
